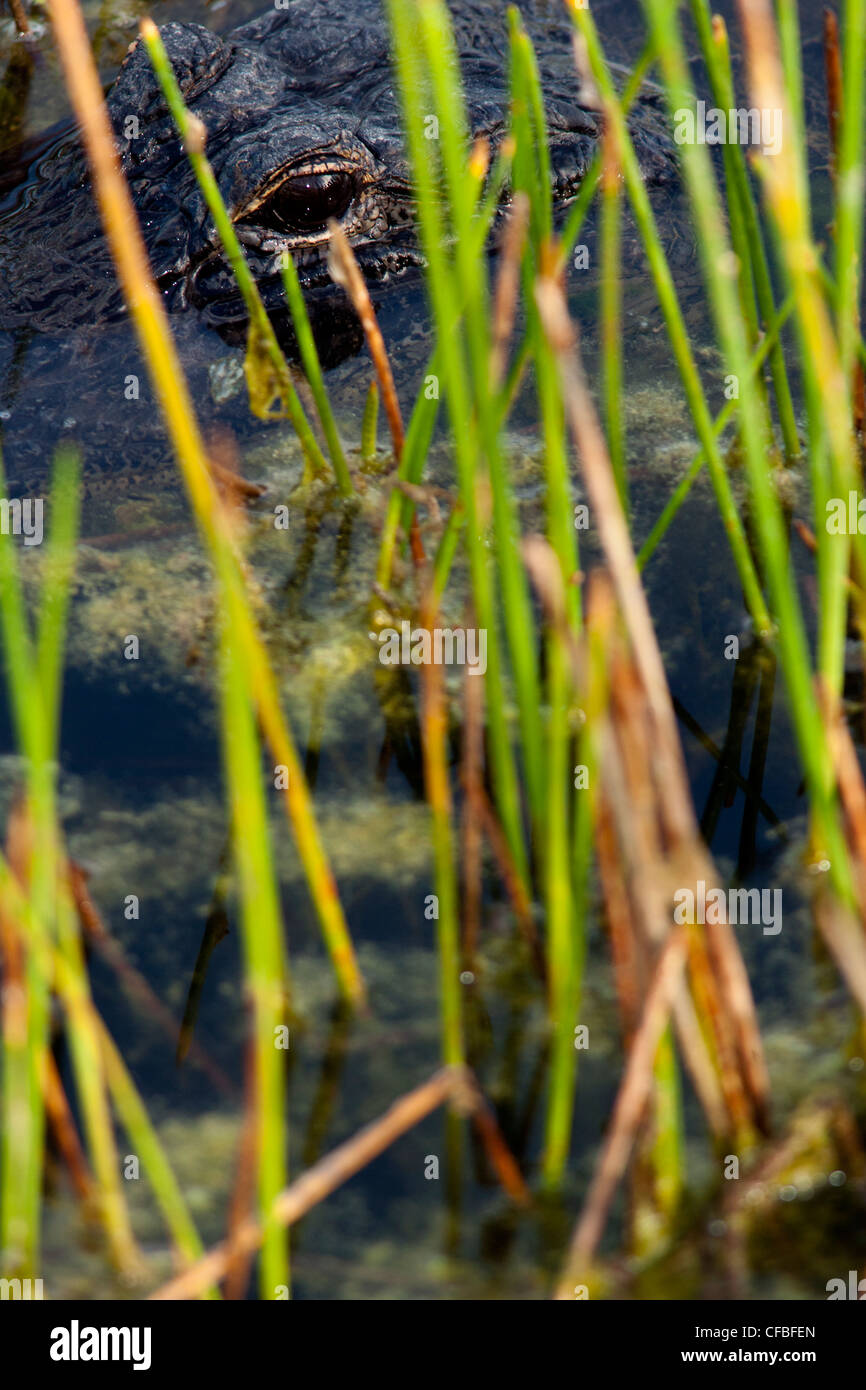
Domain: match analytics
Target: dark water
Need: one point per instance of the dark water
(143, 801)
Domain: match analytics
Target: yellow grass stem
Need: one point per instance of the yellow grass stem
(127, 248)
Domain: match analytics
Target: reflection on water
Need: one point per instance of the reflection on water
(144, 812)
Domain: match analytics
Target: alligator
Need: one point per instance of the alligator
(303, 124)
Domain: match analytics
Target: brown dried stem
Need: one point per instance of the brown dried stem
(631, 1101)
(449, 1084)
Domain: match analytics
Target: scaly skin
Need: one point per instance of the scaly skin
(303, 123)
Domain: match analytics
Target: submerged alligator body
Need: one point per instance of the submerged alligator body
(303, 124)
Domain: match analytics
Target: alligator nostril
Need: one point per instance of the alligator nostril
(304, 202)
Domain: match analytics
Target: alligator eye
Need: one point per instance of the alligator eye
(304, 202)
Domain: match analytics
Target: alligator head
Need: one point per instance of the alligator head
(303, 124)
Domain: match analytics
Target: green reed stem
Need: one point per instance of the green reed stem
(566, 978)
(411, 467)
(564, 932)
(26, 1014)
(154, 1162)
(55, 969)
(788, 21)
(722, 420)
(834, 461)
(370, 424)
(611, 320)
(434, 728)
(92, 1088)
(261, 329)
(445, 298)
(421, 425)
(262, 937)
(313, 370)
(58, 569)
(834, 554)
(532, 176)
(850, 185)
(423, 419)
(472, 290)
(667, 1144)
(677, 331)
(731, 330)
(214, 521)
(745, 224)
(446, 551)
(33, 678)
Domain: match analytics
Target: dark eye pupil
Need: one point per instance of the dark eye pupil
(306, 201)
